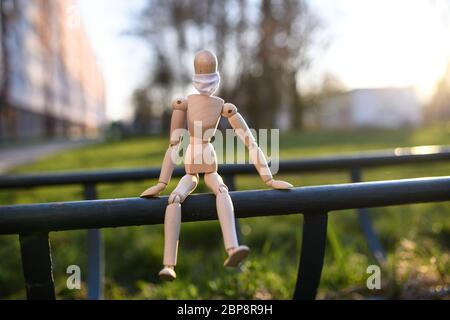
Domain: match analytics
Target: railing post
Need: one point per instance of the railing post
(95, 253)
(366, 225)
(37, 266)
(312, 255)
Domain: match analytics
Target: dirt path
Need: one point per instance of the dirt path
(15, 156)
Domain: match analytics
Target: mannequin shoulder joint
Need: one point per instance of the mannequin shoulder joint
(229, 110)
(179, 104)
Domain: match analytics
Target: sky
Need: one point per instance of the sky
(372, 44)
(122, 58)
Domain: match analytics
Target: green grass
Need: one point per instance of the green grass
(416, 237)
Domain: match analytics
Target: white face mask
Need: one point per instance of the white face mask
(206, 83)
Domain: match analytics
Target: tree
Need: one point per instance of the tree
(439, 108)
(142, 111)
(329, 87)
(262, 47)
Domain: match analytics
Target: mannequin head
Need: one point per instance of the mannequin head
(205, 62)
(206, 79)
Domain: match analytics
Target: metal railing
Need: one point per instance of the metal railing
(34, 222)
(394, 157)
(353, 163)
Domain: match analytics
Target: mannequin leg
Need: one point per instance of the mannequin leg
(172, 223)
(225, 212)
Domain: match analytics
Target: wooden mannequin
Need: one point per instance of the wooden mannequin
(202, 112)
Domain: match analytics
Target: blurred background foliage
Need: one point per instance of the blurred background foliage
(265, 50)
(416, 237)
(262, 48)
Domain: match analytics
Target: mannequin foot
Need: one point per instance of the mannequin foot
(167, 273)
(236, 256)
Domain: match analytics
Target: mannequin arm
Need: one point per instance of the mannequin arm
(178, 121)
(256, 155)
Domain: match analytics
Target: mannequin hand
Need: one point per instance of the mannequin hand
(154, 191)
(279, 184)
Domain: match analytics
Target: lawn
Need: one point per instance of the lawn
(416, 237)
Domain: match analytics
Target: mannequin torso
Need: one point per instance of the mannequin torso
(203, 115)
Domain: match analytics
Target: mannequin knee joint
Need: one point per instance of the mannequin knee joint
(174, 198)
(223, 189)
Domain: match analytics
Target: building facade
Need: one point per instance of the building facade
(368, 108)
(51, 84)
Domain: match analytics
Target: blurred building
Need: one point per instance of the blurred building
(51, 84)
(367, 108)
